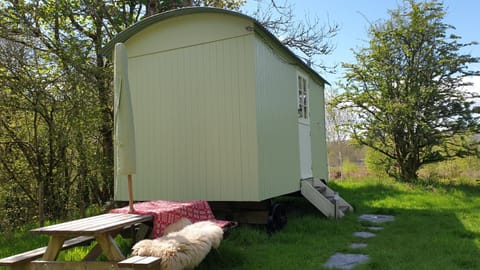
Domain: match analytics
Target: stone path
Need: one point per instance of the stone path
(348, 261)
(364, 235)
(376, 218)
(375, 228)
(358, 245)
(345, 261)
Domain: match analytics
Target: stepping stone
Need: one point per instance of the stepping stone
(358, 245)
(376, 218)
(364, 234)
(345, 261)
(375, 228)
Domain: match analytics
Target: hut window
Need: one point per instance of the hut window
(302, 97)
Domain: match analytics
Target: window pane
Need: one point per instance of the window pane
(302, 97)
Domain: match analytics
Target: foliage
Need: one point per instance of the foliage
(452, 170)
(56, 123)
(406, 89)
(155, 6)
(349, 168)
(56, 151)
(377, 163)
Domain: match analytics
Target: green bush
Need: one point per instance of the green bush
(377, 163)
(349, 168)
(454, 169)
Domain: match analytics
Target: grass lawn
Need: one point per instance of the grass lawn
(436, 227)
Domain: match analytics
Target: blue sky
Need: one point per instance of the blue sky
(354, 17)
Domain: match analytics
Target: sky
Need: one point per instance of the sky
(355, 16)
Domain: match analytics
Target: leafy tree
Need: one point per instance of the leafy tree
(56, 99)
(406, 88)
(155, 6)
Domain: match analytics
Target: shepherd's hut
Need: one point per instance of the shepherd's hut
(223, 112)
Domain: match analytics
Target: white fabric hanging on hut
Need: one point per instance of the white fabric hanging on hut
(124, 139)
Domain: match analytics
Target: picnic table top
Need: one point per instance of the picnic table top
(94, 225)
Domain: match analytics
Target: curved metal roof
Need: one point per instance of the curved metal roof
(259, 28)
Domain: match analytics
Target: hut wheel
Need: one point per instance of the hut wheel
(277, 218)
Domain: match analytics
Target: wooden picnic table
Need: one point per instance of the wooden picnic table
(102, 228)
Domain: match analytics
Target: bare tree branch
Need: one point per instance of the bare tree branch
(308, 38)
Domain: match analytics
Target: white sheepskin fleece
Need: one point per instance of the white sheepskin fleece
(177, 226)
(184, 249)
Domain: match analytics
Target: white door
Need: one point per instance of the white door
(304, 127)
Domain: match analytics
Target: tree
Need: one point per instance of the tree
(336, 121)
(56, 115)
(56, 130)
(155, 6)
(406, 89)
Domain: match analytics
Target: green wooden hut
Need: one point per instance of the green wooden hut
(222, 110)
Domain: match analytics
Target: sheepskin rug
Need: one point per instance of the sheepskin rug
(177, 226)
(183, 249)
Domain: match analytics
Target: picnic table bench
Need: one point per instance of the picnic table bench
(21, 261)
(101, 228)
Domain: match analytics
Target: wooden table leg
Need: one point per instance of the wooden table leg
(93, 253)
(109, 247)
(53, 249)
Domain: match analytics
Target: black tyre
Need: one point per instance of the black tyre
(277, 218)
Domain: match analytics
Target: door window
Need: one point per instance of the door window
(302, 84)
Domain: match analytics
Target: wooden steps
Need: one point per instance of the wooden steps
(320, 189)
(324, 198)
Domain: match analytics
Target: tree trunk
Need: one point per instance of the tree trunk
(408, 170)
(41, 204)
(107, 142)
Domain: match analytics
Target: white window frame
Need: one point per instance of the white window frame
(303, 98)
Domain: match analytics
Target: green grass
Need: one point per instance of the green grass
(301, 243)
(437, 226)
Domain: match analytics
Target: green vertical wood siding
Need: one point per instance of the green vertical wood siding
(194, 119)
(318, 133)
(215, 106)
(277, 126)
